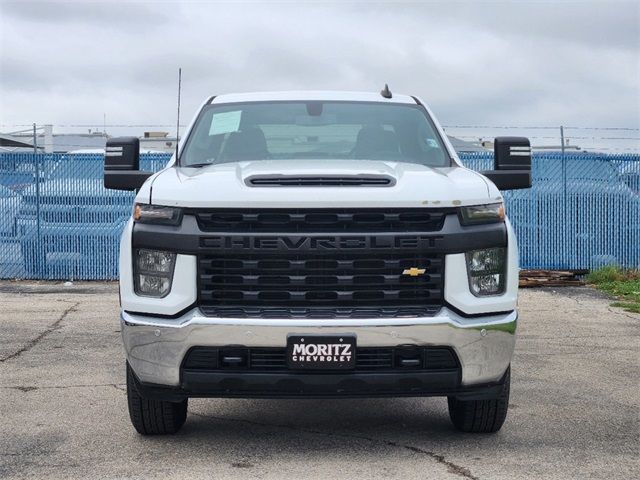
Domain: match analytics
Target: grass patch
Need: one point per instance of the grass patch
(620, 283)
(628, 306)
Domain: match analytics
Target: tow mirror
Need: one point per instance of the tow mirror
(122, 164)
(512, 163)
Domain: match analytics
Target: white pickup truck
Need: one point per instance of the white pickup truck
(317, 244)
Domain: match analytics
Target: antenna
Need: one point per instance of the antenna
(178, 120)
(385, 92)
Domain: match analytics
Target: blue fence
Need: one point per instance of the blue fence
(58, 222)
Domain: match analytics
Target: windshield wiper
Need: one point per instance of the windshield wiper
(198, 165)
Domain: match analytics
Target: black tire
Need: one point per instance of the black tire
(153, 417)
(481, 416)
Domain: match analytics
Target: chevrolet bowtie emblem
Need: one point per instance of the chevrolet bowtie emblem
(414, 271)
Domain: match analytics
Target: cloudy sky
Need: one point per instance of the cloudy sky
(476, 63)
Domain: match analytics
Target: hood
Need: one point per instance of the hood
(410, 185)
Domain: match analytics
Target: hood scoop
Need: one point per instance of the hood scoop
(278, 180)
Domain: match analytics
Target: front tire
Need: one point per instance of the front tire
(481, 416)
(150, 416)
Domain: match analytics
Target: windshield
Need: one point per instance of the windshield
(315, 130)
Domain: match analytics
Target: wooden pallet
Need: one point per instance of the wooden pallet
(551, 278)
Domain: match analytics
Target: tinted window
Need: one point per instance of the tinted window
(314, 130)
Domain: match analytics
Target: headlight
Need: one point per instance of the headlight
(160, 215)
(153, 272)
(487, 271)
(476, 214)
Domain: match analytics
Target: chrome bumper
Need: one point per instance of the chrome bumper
(155, 347)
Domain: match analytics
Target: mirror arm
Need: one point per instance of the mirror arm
(509, 179)
(125, 179)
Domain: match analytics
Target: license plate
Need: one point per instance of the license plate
(321, 352)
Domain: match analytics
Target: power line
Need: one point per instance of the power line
(572, 137)
(627, 129)
(533, 127)
(91, 125)
(150, 125)
(499, 127)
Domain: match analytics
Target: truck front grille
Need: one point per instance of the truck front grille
(307, 280)
(320, 263)
(321, 220)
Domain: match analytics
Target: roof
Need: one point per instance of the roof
(311, 95)
(64, 142)
(9, 141)
(464, 146)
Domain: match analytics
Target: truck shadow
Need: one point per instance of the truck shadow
(307, 426)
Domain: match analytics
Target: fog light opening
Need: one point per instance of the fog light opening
(153, 272)
(486, 270)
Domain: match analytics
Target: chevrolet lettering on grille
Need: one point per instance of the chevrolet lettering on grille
(319, 243)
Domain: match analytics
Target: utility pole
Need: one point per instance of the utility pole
(564, 196)
(36, 158)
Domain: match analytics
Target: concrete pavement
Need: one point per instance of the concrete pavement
(574, 409)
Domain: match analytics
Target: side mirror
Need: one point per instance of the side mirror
(122, 164)
(512, 163)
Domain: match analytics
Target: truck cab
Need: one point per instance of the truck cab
(317, 244)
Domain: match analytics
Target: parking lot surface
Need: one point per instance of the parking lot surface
(574, 409)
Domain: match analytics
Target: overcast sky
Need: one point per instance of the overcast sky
(493, 63)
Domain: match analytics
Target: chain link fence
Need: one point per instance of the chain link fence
(57, 221)
(582, 212)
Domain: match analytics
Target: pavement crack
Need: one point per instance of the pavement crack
(51, 328)
(619, 311)
(25, 389)
(453, 468)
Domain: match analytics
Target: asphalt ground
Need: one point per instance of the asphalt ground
(574, 409)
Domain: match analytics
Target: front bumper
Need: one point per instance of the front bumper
(156, 348)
